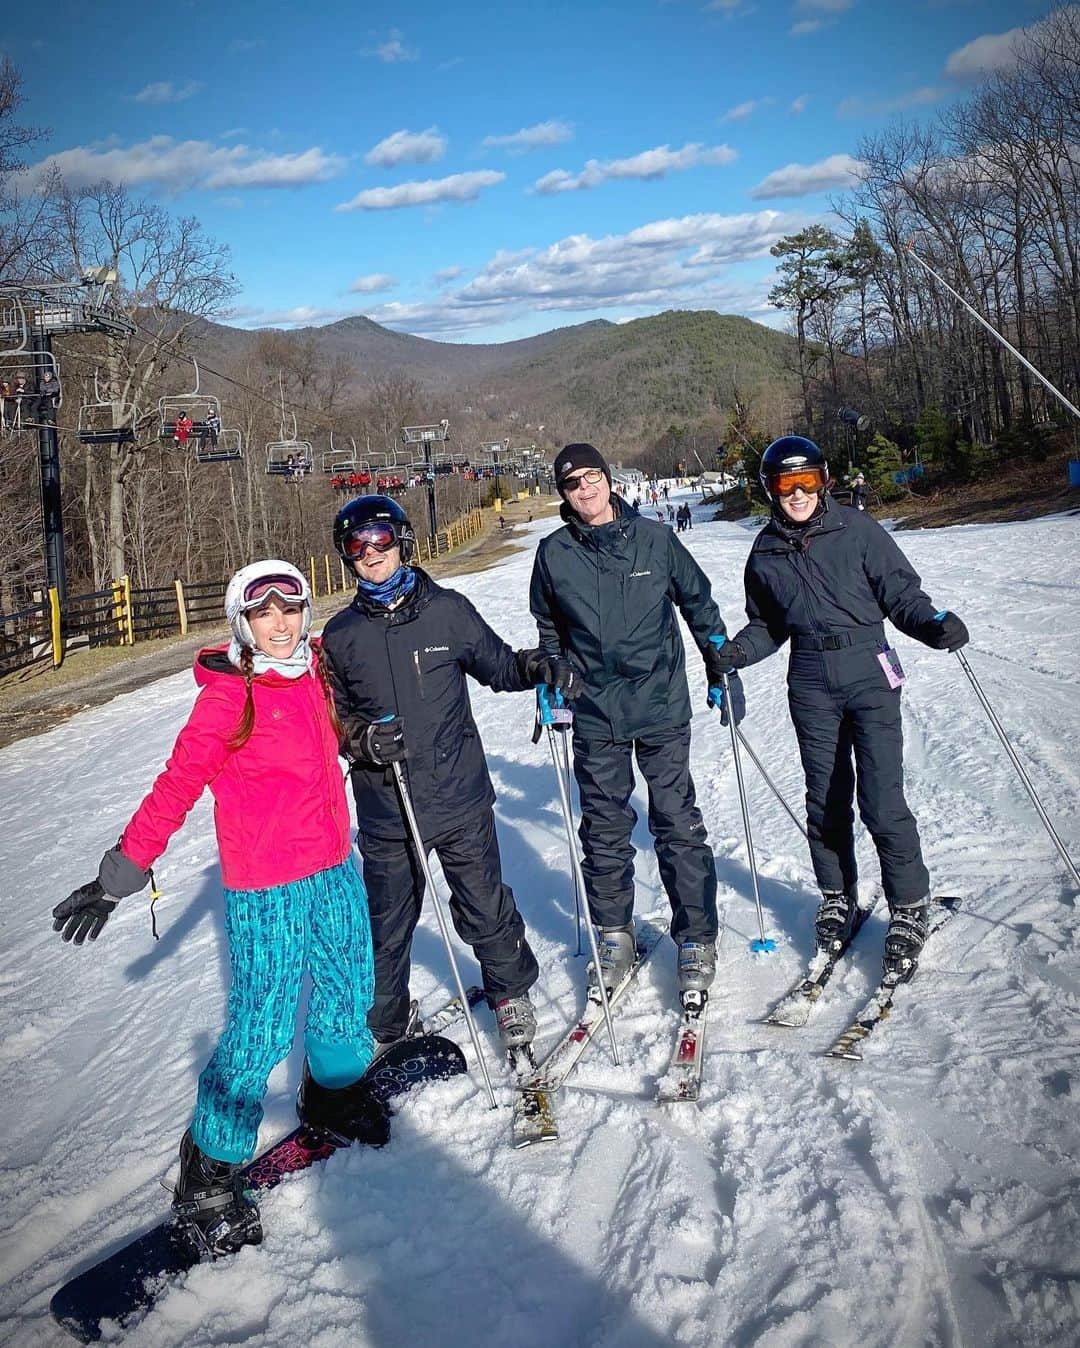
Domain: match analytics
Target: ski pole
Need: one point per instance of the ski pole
(570, 843)
(769, 781)
(1025, 779)
(559, 714)
(764, 943)
(444, 930)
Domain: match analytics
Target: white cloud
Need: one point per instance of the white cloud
(800, 180)
(805, 26)
(371, 285)
(729, 8)
(671, 262)
(164, 91)
(829, 6)
(741, 111)
(233, 132)
(408, 147)
(457, 187)
(857, 106)
(798, 105)
(655, 163)
(532, 137)
(303, 315)
(178, 166)
(394, 48)
(992, 51)
(445, 274)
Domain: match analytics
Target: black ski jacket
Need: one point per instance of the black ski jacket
(413, 660)
(606, 597)
(839, 579)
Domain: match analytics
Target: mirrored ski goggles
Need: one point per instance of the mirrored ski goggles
(381, 537)
(591, 475)
(811, 480)
(287, 588)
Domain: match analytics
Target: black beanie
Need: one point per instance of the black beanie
(572, 458)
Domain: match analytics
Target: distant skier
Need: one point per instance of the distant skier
(262, 735)
(398, 659)
(824, 576)
(860, 492)
(605, 590)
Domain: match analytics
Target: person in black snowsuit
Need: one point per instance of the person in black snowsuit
(605, 590)
(860, 492)
(397, 660)
(823, 576)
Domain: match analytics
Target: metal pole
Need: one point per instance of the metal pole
(444, 930)
(770, 783)
(763, 943)
(1018, 766)
(570, 841)
(994, 333)
(579, 879)
(52, 514)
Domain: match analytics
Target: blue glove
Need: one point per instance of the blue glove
(738, 699)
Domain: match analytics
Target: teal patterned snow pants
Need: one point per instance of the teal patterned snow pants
(319, 925)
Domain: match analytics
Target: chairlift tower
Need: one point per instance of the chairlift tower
(30, 317)
(428, 436)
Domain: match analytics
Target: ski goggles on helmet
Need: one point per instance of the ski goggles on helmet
(382, 536)
(287, 588)
(811, 480)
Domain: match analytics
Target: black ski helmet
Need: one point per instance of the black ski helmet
(788, 454)
(373, 510)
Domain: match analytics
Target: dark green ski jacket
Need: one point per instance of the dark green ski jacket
(606, 596)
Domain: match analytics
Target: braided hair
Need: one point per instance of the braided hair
(246, 725)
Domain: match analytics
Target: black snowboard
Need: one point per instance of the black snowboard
(125, 1285)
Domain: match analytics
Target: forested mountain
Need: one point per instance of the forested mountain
(621, 383)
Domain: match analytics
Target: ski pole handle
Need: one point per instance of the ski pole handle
(552, 710)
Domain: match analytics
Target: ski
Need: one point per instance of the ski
(556, 1066)
(877, 1009)
(533, 1117)
(125, 1285)
(451, 1012)
(682, 1080)
(794, 1008)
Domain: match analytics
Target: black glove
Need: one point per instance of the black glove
(378, 742)
(120, 877)
(946, 632)
(83, 913)
(738, 699)
(554, 670)
(725, 658)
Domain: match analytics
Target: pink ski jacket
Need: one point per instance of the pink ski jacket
(279, 801)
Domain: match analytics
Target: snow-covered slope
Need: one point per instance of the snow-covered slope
(926, 1196)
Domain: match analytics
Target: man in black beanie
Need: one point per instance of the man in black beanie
(604, 593)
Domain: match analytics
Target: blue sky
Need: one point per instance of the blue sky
(481, 172)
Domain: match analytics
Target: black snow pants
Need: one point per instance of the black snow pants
(605, 778)
(481, 906)
(847, 720)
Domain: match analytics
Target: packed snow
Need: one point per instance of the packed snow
(926, 1196)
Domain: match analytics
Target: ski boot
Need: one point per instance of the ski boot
(210, 1202)
(353, 1113)
(618, 950)
(835, 920)
(904, 940)
(516, 1021)
(696, 966)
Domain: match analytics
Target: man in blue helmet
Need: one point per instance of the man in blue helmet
(397, 660)
(824, 576)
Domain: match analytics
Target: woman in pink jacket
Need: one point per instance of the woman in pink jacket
(264, 737)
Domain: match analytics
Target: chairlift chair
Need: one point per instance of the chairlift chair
(289, 458)
(14, 326)
(96, 423)
(336, 461)
(21, 389)
(195, 405)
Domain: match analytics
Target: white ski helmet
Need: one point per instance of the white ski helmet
(250, 587)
